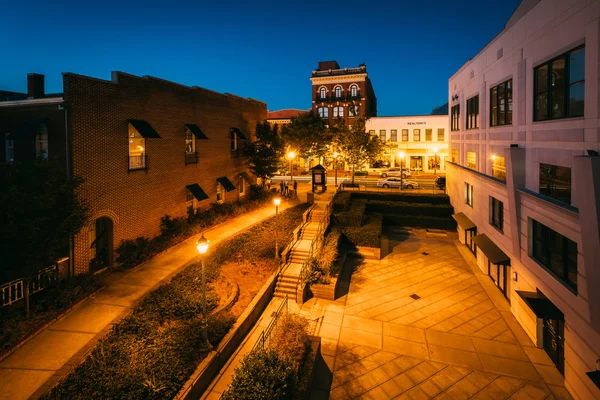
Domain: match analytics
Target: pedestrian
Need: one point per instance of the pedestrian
(281, 188)
(268, 184)
(295, 188)
(286, 188)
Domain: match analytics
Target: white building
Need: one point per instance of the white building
(422, 139)
(524, 112)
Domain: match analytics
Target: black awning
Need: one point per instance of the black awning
(239, 133)
(144, 128)
(226, 183)
(595, 377)
(540, 305)
(28, 128)
(491, 251)
(196, 131)
(197, 191)
(464, 222)
(246, 177)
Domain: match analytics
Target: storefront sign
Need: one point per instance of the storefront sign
(417, 123)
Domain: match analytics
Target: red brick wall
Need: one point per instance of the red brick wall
(368, 107)
(136, 200)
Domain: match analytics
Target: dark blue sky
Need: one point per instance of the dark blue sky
(261, 49)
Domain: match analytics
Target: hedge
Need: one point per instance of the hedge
(402, 197)
(152, 352)
(420, 221)
(354, 216)
(341, 201)
(394, 207)
(367, 235)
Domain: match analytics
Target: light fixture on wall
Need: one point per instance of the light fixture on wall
(515, 276)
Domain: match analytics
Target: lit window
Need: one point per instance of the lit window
(382, 135)
(190, 202)
(416, 135)
(190, 142)
(441, 135)
(501, 104)
(472, 160)
(473, 113)
(338, 112)
(241, 187)
(338, 92)
(137, 149)
(354, 90)
(469, 194)
(9, 149)
(498, 168)
(405, 135)
(455, 118)
(41, 141)
(454, 155)
(353, 110)
(394, 135)
(323, 112)
(323, 92)
(428, 134)
(220, 193)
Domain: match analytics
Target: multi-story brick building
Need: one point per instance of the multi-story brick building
(343, 93)
(525, 177)
(145, 148)
(283, 117)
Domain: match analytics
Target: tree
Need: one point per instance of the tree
(39, 212)
(354, 145)
(307, 134)
(265, 152)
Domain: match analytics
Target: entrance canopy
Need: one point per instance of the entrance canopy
(541, 306)
(491, 251)
(464, 222)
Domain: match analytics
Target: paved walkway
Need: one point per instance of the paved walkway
(54, 352)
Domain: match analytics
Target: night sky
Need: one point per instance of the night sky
(264, 50)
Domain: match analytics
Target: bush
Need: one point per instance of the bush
(341, 201)
(368, 235)
(327, 261)
(291, 339)
(263, 374)
(403, 197)
(421, 221)
(395, 207)
(132, 252)
(354, 216)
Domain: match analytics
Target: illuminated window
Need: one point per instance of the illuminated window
(323, 92)
(428, 134)
(416, 135)
(382, 135)
(353, 110)
(405, 135)
(441, 135)
(324, 112)
(241, 187)
(501, 104)
(220, 193)
(473, 113)
(498, 168)
(338, 92)
(338, 112)
(472, 160)
(354, 90)
(394, 135)
(455, 155)
(469, 194)
(137, 149)
(190, 142)
(455, 118)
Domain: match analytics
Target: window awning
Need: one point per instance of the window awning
(246, 177)
(464, 222)
(144, 128)
(27, 128)
(491, 251)
(197, 191)
(196, 131)
(595, 377)
(239, 133)
(226, 183)
(540, 305)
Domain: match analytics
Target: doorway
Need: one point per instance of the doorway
(498, 273)
(554, 342)
(101, 238)
(416, 163)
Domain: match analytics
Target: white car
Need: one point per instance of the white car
(395, 172)
(396, 182)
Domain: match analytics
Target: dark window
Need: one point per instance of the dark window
(469, 194)
(496, 213)
(441, 135)
(455, 118)
(372, 132)
(560, 87)
(473, 113)
(555, 253)
(394, 135)
(416, 135)
(501, 104)
(382, 135)
(555, 182)
(428, 134)
(405, 135)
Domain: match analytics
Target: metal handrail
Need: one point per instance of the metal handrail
(13, 291)
(265, 336)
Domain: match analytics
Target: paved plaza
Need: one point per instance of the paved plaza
(456, 340)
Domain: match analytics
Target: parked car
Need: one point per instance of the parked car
(396, 182)
(395, 172)
(440, 182)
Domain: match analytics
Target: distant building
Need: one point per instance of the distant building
(524, 179)
(423, 139)
(145, 148)
(343, 93)
(283, 117)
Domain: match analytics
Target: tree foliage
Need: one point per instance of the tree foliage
(308, 135)
(266, 151)
(39, 212)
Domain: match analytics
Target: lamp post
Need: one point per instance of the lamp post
(401, 155)
(435, 160)
(335, 157)
(202, 245)
(291, 156)
(276, 201)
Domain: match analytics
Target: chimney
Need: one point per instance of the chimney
(35, 86)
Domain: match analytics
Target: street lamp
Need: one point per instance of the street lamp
(276, 201)
(335, 157)
(435, 150)
(401, 155)
(202, 245)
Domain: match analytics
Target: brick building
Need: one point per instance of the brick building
(342, 92)
(283, 117)
(145, 147)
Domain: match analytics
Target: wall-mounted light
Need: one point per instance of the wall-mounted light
(515, 276)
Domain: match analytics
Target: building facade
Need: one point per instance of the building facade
(342, 93)
(524, 176)
(283, 117)
(145, 148)
(422, 140)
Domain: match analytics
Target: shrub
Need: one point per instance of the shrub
(263, 374)
(395, 207)
(403, 197)
(291, 339)
(421, 221)
(368, 235)
(354, 216)
(327, 261)
(341, 201)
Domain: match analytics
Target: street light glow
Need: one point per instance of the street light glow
(435, 150)
(202, 245)
(493, 157)
(277, 201)
(401, 154)
(291, 155)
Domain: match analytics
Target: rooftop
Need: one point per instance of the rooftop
(287, 113)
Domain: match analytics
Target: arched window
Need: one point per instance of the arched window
(322, 92)
(338, 112)
(338, 92)
(323, 112)
(354, 90)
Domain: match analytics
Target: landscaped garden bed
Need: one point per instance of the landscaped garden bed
(154, 350)
(327, 266)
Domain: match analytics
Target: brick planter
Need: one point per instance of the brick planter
(369, 253)
(324, 291)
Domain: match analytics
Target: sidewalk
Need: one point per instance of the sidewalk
(56, 350)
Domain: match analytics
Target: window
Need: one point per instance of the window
(428, 134)
(405, 135)
(233, 139)
(353, 90)
(372, 132)
(41, 141)
(190, 142)
(469, 194)
(241, 187)
(498, 168)
(455, 155)
(501, 104)
(353, 110)
(455, 118)
(338, 112)
(382, 135)
(472, 160)
(441, 135)
(496, 213)
(416, 135)
(555, 182)
(9, 149)
(324, 112)
(473, 113)
(560, 87)
(394, 135)
(137, 149)
(190, 202)
(322, 93)
(338, 92)
(555, 253)
(220, 193)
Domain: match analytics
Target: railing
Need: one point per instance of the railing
(14, 291)
(138, 162)
(263, 340)
(343, 71)
(191, 158)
